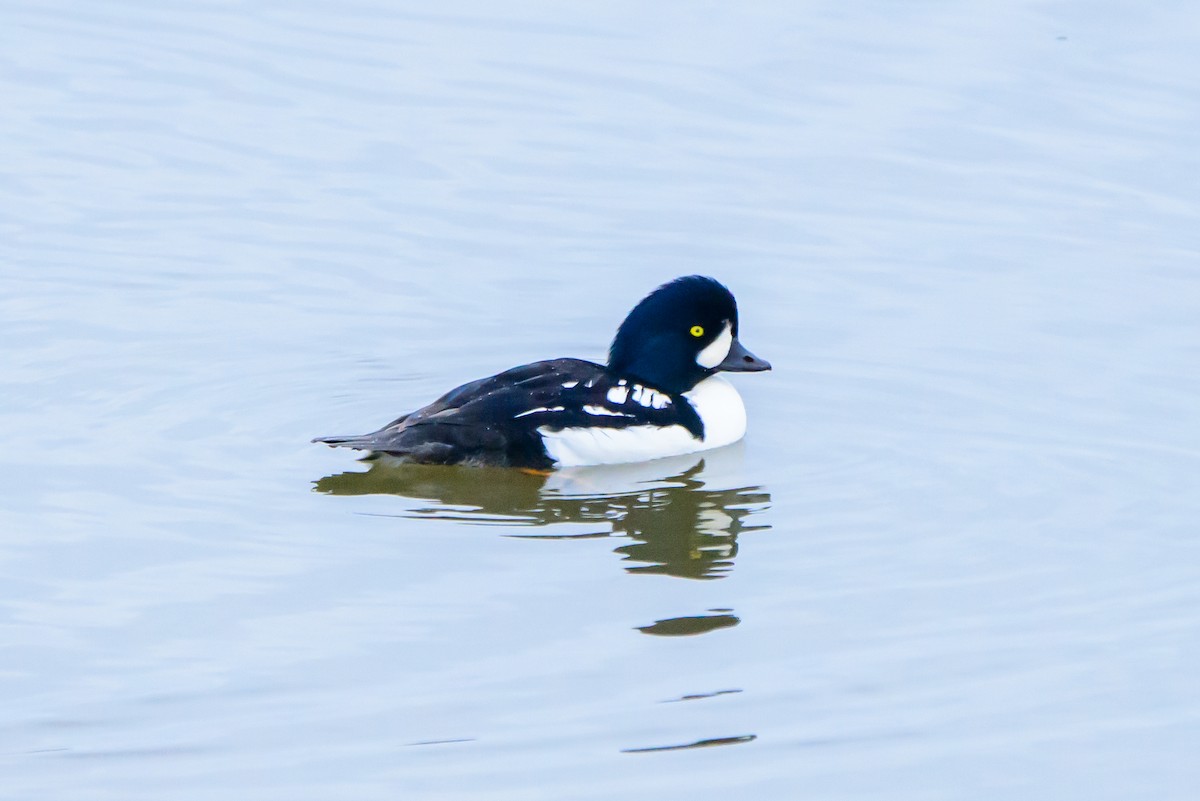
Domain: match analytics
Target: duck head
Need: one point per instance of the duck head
(680, 334)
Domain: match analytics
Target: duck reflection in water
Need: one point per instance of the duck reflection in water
(679, 520)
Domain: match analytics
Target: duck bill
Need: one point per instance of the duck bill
(741, 360)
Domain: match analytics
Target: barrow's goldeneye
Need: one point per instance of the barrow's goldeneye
(659, 396)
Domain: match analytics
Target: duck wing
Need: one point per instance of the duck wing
(492, 420)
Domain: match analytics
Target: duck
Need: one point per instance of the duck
(659, 395)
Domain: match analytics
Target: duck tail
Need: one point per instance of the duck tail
(362, 442)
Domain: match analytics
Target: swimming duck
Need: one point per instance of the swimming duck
(658, 396)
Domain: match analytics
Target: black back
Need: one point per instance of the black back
(494, 420)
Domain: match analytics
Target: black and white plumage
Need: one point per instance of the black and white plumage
(658, 396)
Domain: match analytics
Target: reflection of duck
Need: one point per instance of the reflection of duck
(679, 525)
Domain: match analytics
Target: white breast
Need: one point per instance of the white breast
(715, 400)
(721, 409)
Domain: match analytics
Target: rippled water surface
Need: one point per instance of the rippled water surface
(956, 557)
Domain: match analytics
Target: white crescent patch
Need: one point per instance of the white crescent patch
(715, 352)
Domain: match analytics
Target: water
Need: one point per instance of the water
(956, 556)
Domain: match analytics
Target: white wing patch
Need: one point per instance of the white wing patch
(601, 411)
(650, 397)
(644, 396)
(618, 394)
(716, 351)
(539, 409)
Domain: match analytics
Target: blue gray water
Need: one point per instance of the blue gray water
(956, 557)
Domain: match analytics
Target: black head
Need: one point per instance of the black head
(680, 334)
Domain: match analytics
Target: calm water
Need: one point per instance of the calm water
(957, 556)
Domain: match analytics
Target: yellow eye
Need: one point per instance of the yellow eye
(697, 331)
